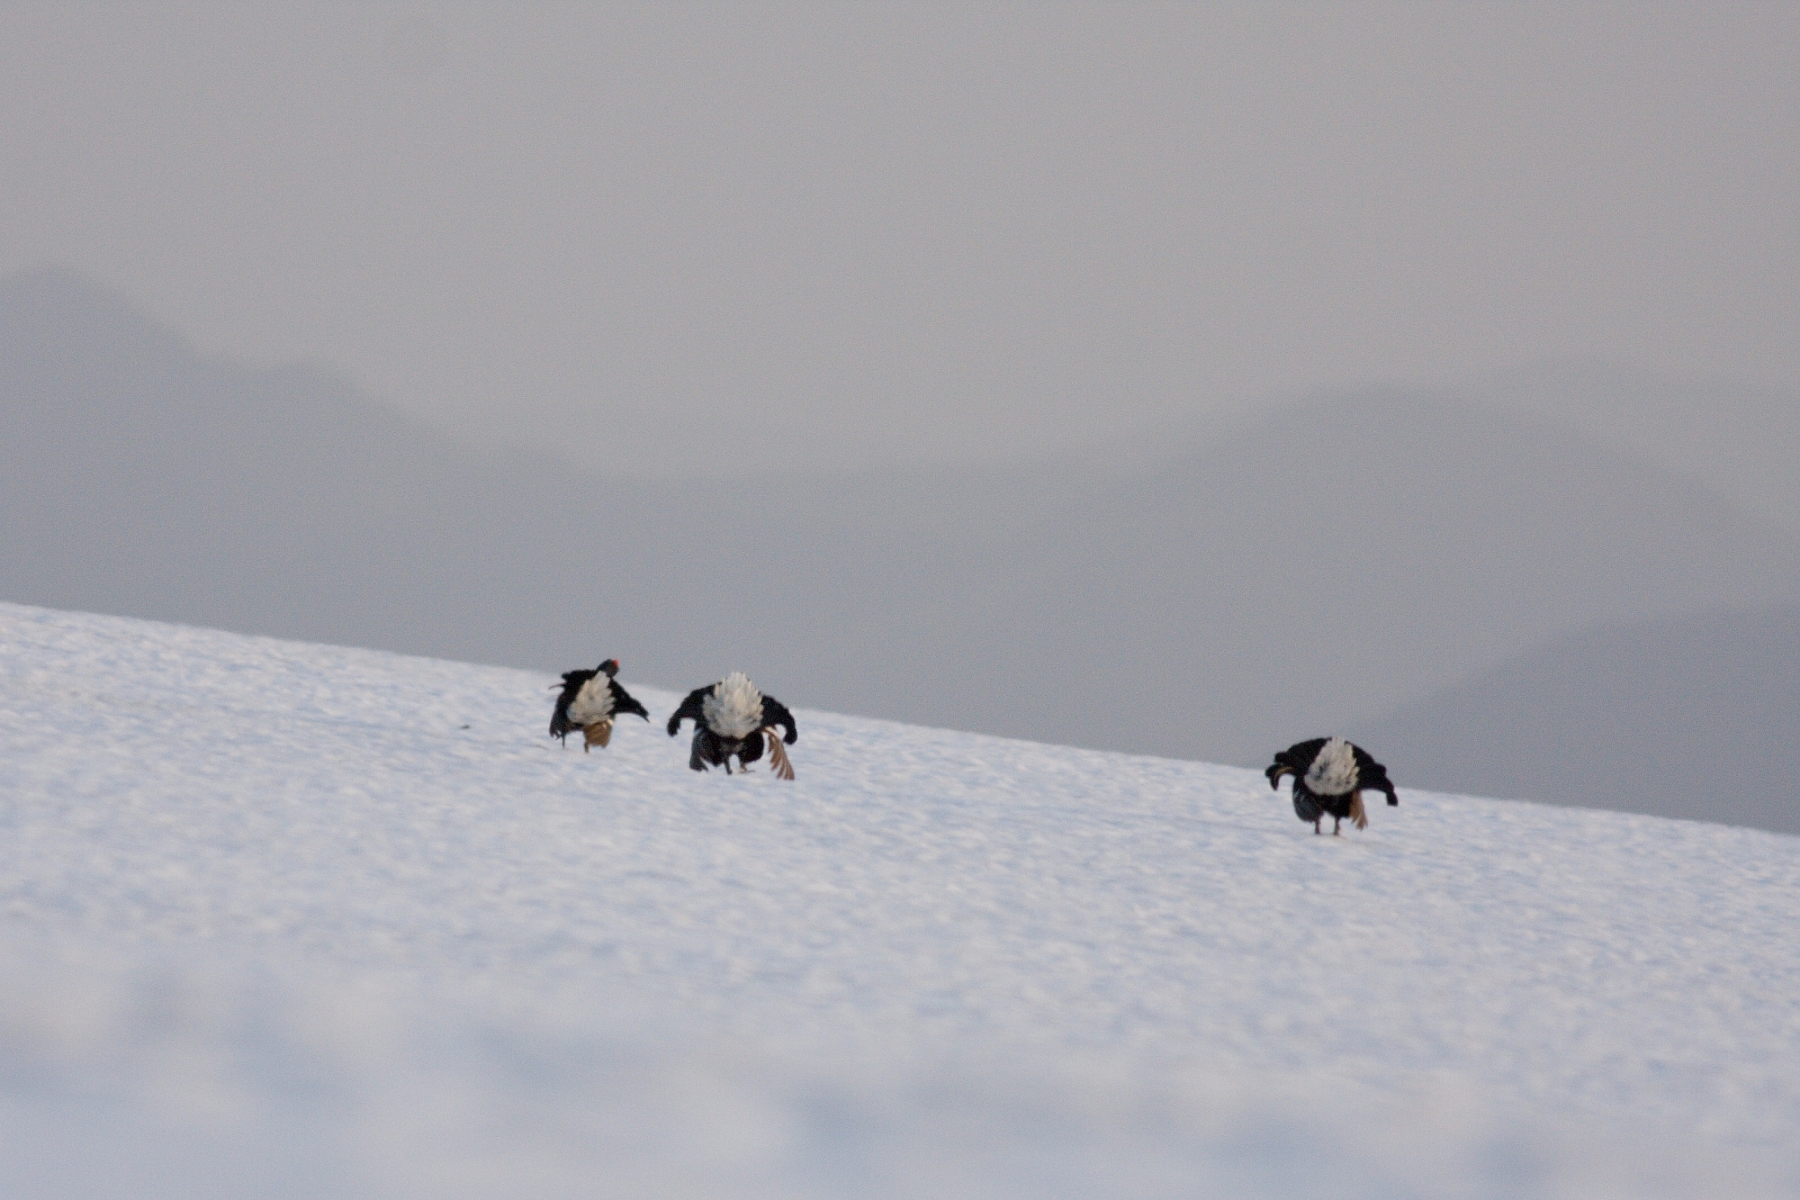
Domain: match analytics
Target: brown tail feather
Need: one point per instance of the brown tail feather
(598, 734)
(1358, 817)
(778, 759)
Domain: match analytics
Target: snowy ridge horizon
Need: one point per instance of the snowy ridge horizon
(298, 920)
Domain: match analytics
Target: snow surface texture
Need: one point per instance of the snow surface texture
(291, 920)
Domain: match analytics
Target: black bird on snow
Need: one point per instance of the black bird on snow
(589, 702)
(1330, 775)
(731, 717)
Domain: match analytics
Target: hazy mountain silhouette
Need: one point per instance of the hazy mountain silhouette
(1315, 568)
(1282, 578)
(1690, 717)
(1739, 439)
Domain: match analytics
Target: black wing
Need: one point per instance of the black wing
(560, 726)
(1295, 758)
(776, 713)
(625, 702)
(1301, 754)
(690, 709)
(1373, 775)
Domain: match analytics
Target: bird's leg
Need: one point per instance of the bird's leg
(1316, 829)
(1336, 827)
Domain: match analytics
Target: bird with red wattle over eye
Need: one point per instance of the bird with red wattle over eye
(590, 701)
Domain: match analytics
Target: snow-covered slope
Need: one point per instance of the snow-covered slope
(280, 919)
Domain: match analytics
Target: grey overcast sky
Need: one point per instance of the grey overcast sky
(734, 237)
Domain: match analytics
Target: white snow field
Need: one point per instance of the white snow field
(294, 920)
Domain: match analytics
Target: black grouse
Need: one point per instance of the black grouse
(731, 717)
(589, 702)
(1330, 776)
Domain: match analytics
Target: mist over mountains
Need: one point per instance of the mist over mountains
(1308, 572)
(1740, 440)
(1684, 717)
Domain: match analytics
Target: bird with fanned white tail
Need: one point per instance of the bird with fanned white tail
(590, 702)
(1330, 776)
(733, 719)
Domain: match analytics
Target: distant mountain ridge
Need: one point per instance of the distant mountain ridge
(1307, 572)
(1688, 717)
(1741, 440)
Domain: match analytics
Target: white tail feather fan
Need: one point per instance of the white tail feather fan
(593, 703)
(1333, 771)
(734, 708)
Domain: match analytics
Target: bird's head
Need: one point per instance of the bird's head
(1276, 770)
(609, 668)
